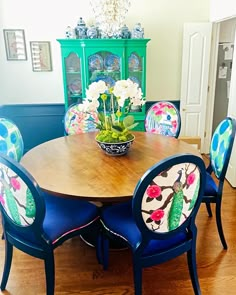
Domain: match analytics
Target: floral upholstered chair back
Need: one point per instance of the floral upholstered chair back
(171, 196)
(16, 198)
(11, 141)
(163, 118)
(78, 121)
(221, 146)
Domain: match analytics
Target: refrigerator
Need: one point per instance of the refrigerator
(222, 87)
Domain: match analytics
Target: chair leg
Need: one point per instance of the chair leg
(105, 250)
(99, 246)
(50, 273)
(137, 279)
(192, 266)
(219, 223)
(208, 207)
(7, 264)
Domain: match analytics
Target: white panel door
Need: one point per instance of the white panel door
(231, 172)
(194, 81)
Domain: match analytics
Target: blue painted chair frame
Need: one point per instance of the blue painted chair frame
(55, 219)
(222, 149)
(148, 246)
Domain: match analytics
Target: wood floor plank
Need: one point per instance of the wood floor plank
(77, 270)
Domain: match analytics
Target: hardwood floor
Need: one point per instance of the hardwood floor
(77, 270)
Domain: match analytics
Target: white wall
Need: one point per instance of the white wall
(222, 9)
(227, 30)
(46, 21)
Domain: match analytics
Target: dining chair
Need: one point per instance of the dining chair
(36, 222)
(11, 141)
(158, 224)
(163, 118)
(220, 152)
(78, 121)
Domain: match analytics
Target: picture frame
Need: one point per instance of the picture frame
(41, 56)
(15, 44)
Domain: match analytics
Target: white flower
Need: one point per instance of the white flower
(89, 105)
(95, 89)
(137, 99)
(123, 90)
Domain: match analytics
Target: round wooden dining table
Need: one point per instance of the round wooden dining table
(75, 166)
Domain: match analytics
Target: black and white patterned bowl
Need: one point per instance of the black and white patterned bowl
(115, 149)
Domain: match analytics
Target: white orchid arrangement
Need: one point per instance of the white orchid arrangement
(113, 124)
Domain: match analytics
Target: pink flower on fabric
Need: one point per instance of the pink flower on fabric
(191, 179)
(2, 201)
(15, 183)
(157, 215)
(158, 110)
(174, 124)
(154, 191)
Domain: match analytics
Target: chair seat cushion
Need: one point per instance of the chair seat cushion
(118, 219)
(66, 215)
(210, 187)
(63, 216)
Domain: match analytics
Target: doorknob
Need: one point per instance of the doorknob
(183, 110)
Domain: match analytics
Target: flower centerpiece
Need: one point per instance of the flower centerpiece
(113, 105)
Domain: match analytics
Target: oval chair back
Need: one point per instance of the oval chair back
(168, 196)
(11, 141)
(78, 121)
(163, 118)
(221, 146)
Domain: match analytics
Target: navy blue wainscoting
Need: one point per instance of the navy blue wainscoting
(37, 122)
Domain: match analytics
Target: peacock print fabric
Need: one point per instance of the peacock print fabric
(170, 197)
(220, 144)
(11, 142)
(162, 118)
(16, 198)
(77, 121)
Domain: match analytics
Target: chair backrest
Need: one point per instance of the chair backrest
(22, 207)
(77, 121)
(168, 196)
(11, 141)
(221, 146)
(163, 118)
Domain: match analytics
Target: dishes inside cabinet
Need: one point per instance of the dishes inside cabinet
(75, 87)
(107, 79)
(95, 62)
(112, 62)
(135, 80)
(134, 63)
(72, 63)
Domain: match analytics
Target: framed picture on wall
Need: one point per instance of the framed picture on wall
(15, 44)
(41, 56)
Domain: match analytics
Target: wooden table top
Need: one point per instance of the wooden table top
(75, 166)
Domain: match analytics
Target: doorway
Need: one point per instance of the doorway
(223, 71)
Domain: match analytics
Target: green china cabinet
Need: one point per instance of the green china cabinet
(87, 60)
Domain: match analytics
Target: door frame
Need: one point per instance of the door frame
(211, 87)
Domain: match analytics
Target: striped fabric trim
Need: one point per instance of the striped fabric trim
(114, 232)
(75, 229)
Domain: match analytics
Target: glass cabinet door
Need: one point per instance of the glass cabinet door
(105, 66)
(73, 79)
(135, 69)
